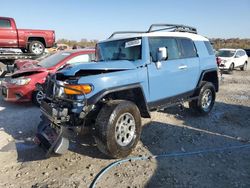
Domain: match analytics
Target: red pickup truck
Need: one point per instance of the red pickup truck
(33, 41)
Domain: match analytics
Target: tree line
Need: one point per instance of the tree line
(217, 43)
(230, 43)
(82, 43)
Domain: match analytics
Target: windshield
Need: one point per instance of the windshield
(53, 59)
(125, 49)
(225, 53)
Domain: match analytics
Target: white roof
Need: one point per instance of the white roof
(230, 49)
(192, 36)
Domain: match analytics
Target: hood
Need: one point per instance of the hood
(105, 66)
(28, 71)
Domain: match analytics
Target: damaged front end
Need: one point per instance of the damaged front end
(64, 109)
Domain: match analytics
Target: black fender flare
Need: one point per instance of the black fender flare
(139, 100)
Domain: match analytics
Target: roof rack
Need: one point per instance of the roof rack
(170, 27)
(173, 28)
(125, 32)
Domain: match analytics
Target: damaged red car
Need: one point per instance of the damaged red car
(22, 85)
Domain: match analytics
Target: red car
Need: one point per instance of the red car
(21, 86)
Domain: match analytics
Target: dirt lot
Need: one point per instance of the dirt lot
(23, 163)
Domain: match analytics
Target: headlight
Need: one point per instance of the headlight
(20, 81)
(75, 89)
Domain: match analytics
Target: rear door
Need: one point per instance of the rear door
(192, 63)
(8, 35)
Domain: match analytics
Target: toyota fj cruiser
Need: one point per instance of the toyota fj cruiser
(134, 73)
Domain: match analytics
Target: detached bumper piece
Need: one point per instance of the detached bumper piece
(52, 141)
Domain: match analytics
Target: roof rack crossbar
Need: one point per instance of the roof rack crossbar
(174, 27)
(171, 27)
(125, 32)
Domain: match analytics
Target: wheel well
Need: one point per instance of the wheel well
(41, 39)
(135, 95)
(213, 78)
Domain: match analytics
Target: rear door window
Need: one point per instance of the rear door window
(169, 43)
(187, 48)
(4, 23)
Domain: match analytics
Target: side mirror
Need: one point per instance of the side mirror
(237, 56)
(162, 54)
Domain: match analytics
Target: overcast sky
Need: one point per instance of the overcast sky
(97, 19)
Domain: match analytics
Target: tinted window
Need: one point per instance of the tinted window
(4, 23)
(238, 53)
(53, 59)
(226, 53)
(209, 48)
(243, 53)
(169, 43)
(187, 48)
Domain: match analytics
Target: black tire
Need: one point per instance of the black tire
(244, 67)
(36, 47)
(107, 126)
(231, 68)
(36, 97)
(203, 105)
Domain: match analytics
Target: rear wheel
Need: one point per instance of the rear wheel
(244, 67)
(36, 47)
(118, 128)
(205, 102)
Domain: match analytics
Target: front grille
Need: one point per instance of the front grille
(49, 85)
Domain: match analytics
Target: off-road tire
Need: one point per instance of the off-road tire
(36, 47)
(106, 124)
(197, 104)
(244, 67)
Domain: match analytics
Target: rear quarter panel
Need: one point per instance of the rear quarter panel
(25, 34)
(206, 61)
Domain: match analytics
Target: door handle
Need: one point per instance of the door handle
(182, 67)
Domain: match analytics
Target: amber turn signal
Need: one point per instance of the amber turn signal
(77, 89)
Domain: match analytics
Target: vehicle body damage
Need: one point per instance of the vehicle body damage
(23, 85)
(132, 76)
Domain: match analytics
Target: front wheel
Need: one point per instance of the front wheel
(37, 97)
(231, 68)
(118, 128)
(36, 47)
(205, 102)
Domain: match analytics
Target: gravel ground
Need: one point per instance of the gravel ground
(23, 163)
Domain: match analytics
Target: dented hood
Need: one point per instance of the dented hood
(99, 66)
(28, 71)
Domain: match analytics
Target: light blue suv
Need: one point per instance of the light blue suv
(134, 74)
